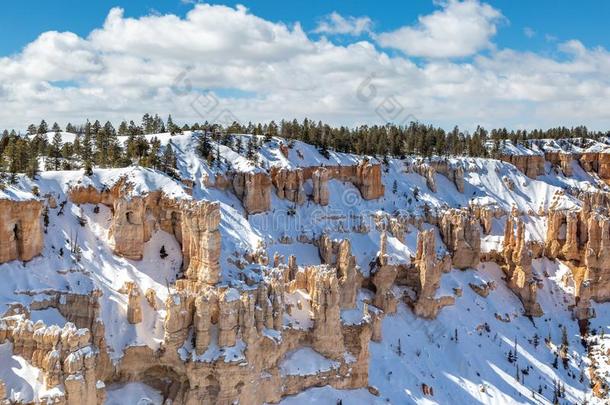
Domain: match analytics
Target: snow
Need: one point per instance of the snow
(9, 192)
(133, 393)
(298, 318)
(49, 316)
(306, 361)
(24, 383)
(331, 396)
(429, 355)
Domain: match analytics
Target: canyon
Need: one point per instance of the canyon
(267, 271)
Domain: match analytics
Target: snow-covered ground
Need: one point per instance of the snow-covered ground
(472, 369)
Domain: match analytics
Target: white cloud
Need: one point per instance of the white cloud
(335, 23)
(529, 32)
(263, 70)
(458, 29)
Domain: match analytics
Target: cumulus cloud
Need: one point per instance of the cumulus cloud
(458, 29)
(335, 23)
(220, 63)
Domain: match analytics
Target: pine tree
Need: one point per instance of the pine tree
(56, 127)
(32, 169)
(55, 153)
(43, 128)
(87, 153)
(239, 147)
(123, 128)
(168, 162)
(153, 160)
(204, 147)
(251, 149)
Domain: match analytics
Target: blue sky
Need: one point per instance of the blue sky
(560, 19)
(445, 62)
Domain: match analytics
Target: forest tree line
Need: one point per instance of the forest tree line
(97, 145)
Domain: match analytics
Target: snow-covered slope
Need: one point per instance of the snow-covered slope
(461, 355)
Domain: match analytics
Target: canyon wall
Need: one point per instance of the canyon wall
(21, 232)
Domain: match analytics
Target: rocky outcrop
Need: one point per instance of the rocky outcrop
(582, 240)
(428, 270)
(598, 162)
(561, 160)
(64, 355)
(323, 288)
(383, 277)
(131, 226)
(254, 191)
(134, 308)
(462, 235)
(289, 184)
(486, 214)
(319, 179)
(21, 233)
(531, 165)
(201, 240)
(339, 254)
(368, 180)
(453, 171)
(193, 223)
(251, 321)
(518, 267)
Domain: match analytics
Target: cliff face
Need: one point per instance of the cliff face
(222, 331)
(130, 228)
(254, 190)
(461, 233)
(201, 240)
(518, 267)
(581, 239)
(252, 322)
(531, 165)
(454, 172)
(428, 270)
(21, 234)
(319, 179)
(289, 184)
(73, 355)
(193, 223)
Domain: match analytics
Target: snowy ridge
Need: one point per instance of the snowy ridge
(473, 369)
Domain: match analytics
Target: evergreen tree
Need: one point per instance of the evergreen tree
(123, 128)
(153, 160)
(54, 161)
(251, 149)
(168, 162)
(87, 151)
(204, 146)
(43, 128)
(32, 168)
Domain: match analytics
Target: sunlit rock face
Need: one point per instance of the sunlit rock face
(21, 232)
